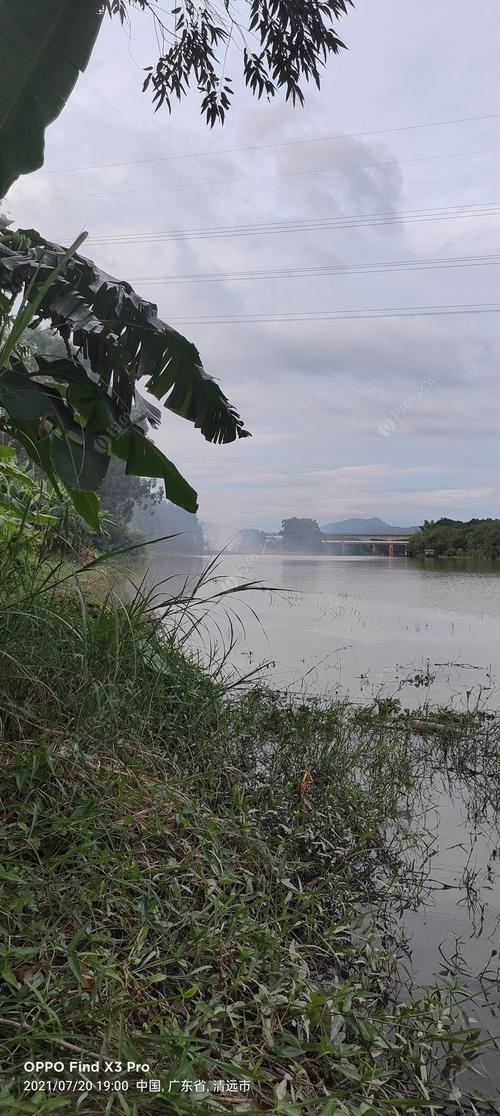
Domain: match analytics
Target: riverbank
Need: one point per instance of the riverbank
(476, 540)
(211, 887)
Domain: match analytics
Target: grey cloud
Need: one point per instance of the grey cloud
(313, 394)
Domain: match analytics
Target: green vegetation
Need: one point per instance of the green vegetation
(33, 519)
(119, 497)
(74, 413)
(210, 885)
(205, 883)
(450, 538)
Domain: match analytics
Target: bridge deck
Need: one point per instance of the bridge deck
(367, 538)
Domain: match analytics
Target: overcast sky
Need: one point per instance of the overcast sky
(396, 417)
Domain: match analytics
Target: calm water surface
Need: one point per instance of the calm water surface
(362, 626)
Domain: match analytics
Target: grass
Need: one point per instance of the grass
(211, 886)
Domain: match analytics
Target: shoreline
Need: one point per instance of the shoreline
(199, 867)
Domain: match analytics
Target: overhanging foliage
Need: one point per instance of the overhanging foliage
(44, 46)
(281, 44)
(72, 413)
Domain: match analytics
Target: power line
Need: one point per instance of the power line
(268, 177)
(446, 263)
(485, 209)
(460, 209)
(351, 315)
(270, 146)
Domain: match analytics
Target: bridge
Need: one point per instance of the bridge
(389, 546)
(392, 546)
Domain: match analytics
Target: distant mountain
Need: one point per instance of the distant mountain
(365, 527)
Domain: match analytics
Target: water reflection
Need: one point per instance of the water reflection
(453, 934)
(363, 626)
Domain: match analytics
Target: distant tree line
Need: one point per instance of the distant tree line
(297, 536)
(159, 519)
(301, 536)
(451, 538)
(251, 541)
(448, 538)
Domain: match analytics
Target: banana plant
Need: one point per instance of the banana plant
(73, 413)
(45, 45)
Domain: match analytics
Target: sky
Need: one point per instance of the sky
(391, 416)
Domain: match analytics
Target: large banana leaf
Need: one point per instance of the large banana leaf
(119, 334)
(44, 46)
(73, 413)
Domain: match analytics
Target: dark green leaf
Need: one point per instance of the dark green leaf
(22, 398)
(144, 459)
(87, 505)
(80, 464)
(44, 46)
(113, 339)
(121, 336)
(37, 448)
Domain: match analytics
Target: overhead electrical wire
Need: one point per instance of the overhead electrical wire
(386, 218)
(269, 146)
(444, 213)
(381, 267)
(267, 177)
(347, 315)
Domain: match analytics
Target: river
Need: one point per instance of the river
(356, 627)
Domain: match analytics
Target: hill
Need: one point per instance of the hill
(365, 527)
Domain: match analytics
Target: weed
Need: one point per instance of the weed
(208, 886)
